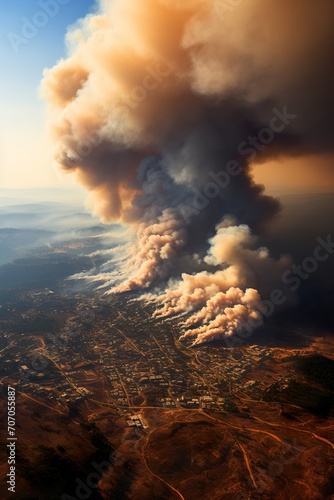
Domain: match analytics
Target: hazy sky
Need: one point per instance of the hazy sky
(297, 175)
(26, 158)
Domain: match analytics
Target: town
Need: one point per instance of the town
(112, 353)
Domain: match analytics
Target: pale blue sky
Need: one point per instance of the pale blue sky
(25, 153)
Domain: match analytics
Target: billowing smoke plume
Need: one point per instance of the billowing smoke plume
(160, 109)
(217, 300)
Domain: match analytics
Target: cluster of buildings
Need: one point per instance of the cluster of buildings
(113, 352)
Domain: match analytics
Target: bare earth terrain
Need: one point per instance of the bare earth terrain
(98, 380)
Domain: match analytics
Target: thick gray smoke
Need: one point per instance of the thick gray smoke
(161, 108)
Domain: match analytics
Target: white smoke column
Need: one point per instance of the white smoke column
(157, 246)
(222, 301)
(224, 314)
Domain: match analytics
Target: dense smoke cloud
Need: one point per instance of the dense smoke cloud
(160, 109)
(217, 300)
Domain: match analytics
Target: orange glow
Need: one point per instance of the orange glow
(311, 174)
